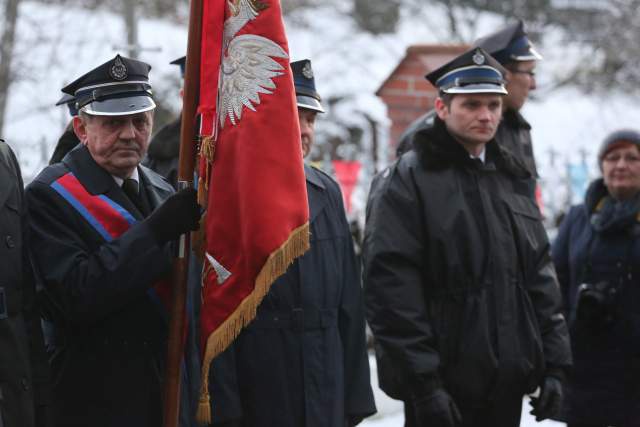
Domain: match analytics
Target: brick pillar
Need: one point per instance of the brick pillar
(406, 92)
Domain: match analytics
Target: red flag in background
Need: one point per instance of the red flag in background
(347, 176)
(257, 212)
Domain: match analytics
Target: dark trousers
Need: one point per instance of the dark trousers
(500, 413)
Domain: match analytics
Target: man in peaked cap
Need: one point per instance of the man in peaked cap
(309, 102)
(511, 47)
(68, 140)
(100, 233)
(302, 362)
(460, 291)
(164, 149)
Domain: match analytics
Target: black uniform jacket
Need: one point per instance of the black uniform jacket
(109, 334)
(23, 362)
(459, 284)
(303, 360)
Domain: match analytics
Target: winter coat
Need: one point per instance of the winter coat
(459, 285)
(108, 331)
(24, 372)
(599, 242)
(303, 361)
(164, 150)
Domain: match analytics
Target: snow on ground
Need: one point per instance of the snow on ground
(391, 414)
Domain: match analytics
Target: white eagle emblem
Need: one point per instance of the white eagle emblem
(248, 66)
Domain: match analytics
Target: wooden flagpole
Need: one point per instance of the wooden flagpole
(186, 165)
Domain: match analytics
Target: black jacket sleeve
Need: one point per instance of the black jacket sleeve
(89, 283)
(560, 255)
(394, 256)
(544, 292)
(359, 402)
(37, 356)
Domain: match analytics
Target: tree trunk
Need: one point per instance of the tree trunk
(6, 53)
(131, 24)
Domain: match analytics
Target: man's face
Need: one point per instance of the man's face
(117, 143)
(472, 119)
(520, 80)
(307, 124)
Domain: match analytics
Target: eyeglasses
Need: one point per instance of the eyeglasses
(530, 73)
(615, 158)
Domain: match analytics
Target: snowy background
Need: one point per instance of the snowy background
(55, 45)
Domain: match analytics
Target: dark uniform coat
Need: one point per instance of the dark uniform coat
(23, 363)
(164, 150)
(303, 361)
(459, 284)
(109, 335)
(514, 134)
(599, 241)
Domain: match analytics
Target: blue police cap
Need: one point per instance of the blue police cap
(304, 81)
(180, 62)
(474, 71)
(70, 101)
(509, 44)
(118, 87)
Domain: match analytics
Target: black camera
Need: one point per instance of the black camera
(596, 303)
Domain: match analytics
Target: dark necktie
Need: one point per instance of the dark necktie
(130, 188)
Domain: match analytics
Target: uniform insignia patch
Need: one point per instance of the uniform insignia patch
(118, 71)
(478, 59)
(307, 71)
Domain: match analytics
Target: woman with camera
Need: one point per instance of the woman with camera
(597, 258)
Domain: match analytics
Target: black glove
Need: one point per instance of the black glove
(436, 409)
(549, 403)
(179, 214)
(352, 420)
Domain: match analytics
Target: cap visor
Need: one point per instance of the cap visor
(477, 88)
(120, 106)
(531, 55)
(309, 103)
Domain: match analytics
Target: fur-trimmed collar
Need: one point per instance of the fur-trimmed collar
(438, 150)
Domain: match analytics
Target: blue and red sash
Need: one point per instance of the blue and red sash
(109, 219)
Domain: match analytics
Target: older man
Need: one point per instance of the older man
(303, 361)
(460, 291)
(100, 239)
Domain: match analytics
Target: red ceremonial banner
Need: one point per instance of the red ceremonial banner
(251, 168)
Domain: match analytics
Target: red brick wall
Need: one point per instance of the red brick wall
(406, 92)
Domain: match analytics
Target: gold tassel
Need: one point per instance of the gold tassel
(203, 414)
(277, 263)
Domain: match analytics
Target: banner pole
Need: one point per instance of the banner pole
(186, 166)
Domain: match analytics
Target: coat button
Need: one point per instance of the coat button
(10, 242)
(25, 384)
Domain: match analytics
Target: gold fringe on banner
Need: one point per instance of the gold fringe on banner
(199, 237)
(219, 340)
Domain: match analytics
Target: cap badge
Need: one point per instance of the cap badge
(478, 58)
(307, 71)
(118, 71)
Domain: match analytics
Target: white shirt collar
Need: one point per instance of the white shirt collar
(134, 176)
(480, 156)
